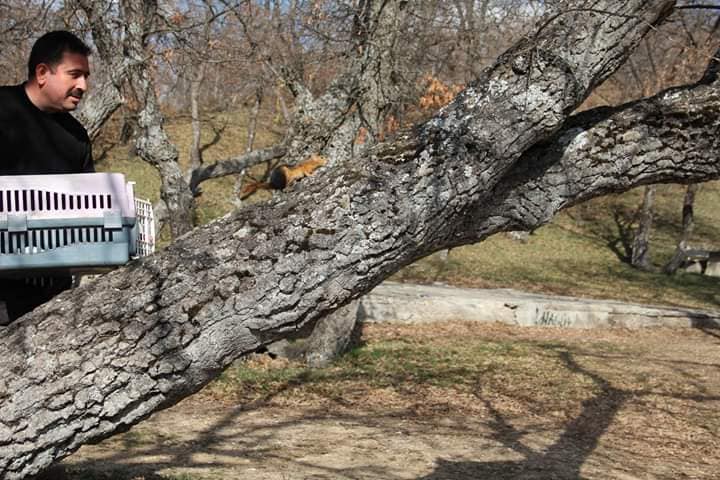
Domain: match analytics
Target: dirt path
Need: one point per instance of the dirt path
(530, 403)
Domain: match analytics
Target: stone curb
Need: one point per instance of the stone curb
(409, 303)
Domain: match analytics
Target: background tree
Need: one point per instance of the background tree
(688, 221)
(640, 249)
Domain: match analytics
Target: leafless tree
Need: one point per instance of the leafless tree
(640, 249)
(19, 22)
(349, 78)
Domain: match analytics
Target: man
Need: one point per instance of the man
(39, 136)
(37, 133)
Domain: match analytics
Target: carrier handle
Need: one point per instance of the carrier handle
(17, 222)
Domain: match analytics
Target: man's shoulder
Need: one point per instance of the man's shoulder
(6, 89)
(14, 106)
(10, 95)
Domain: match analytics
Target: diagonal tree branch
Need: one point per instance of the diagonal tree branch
(672, 137)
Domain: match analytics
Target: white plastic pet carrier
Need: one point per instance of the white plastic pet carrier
(75, 222)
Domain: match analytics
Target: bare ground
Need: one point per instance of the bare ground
(498, 402)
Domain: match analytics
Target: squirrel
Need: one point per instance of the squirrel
(283, 175)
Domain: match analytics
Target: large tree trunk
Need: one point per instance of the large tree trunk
(640, 251)
(153, 144)
(104, 99)
(329, 125)
(501, 157)
(688, 222)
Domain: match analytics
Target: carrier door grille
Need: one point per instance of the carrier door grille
(12, 201)
(42, 240)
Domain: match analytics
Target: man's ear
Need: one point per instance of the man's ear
(42, 70)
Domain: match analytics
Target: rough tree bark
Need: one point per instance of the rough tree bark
(106, 95)
(640, 251)
(99, 105)
(687, 228)
(503, 156)
(329, 124)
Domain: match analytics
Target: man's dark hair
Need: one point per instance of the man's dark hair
(49, 49)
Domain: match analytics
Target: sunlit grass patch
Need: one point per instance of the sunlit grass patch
(581, 253)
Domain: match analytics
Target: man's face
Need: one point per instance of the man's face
(63, 85)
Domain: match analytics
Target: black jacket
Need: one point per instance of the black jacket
(35, 142)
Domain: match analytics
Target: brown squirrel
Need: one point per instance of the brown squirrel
(284, 175)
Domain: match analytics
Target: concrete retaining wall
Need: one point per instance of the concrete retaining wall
(407, 303)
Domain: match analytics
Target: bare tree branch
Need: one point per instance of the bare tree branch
(234, 165)
(698, 7)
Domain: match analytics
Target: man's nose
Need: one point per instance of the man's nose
(82, 83)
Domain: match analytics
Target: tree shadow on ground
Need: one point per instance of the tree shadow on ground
(621, 244)
(563, 459)
(616, 235)
(713, 332)
(124, 466)
(218, 131)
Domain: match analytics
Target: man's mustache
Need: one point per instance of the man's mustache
(76, 93)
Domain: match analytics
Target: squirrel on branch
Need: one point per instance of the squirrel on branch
(283, 175)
